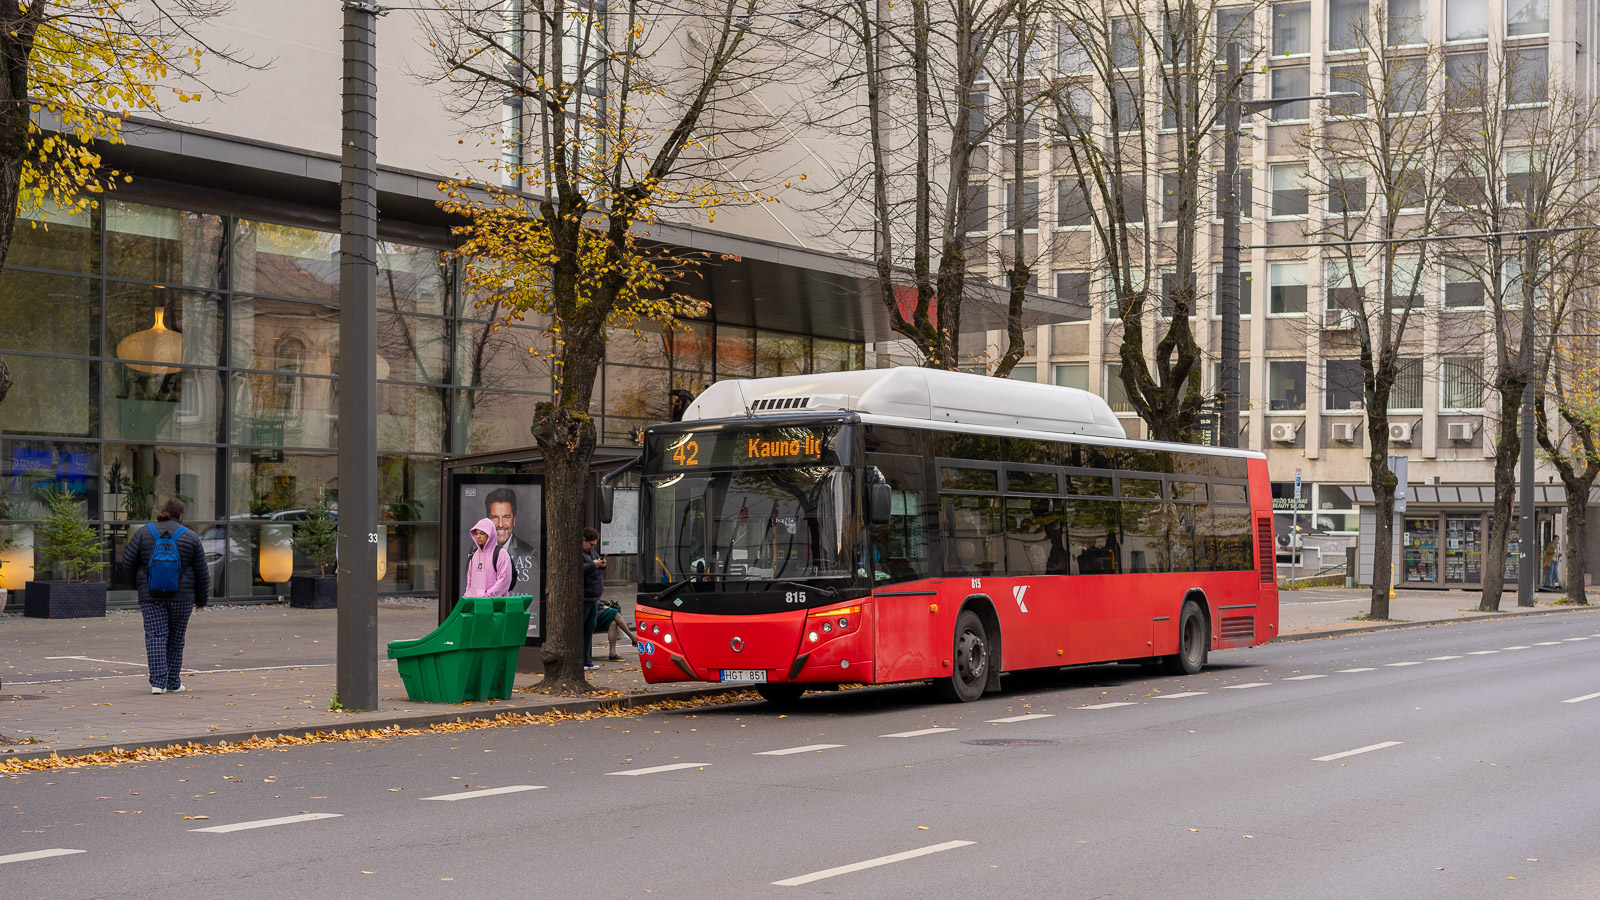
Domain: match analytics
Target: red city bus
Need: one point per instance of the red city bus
(911, 524)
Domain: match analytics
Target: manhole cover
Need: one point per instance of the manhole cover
(1008, 742)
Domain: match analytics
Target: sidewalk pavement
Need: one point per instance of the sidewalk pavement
(76, 685)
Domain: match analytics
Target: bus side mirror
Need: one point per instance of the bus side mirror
(878, 504)
(605, 501)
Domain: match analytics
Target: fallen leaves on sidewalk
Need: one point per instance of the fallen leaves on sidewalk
(117, 756)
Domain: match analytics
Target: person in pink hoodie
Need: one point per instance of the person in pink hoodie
(489, 571)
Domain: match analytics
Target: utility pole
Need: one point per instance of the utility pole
(1228, 290)
(358, 368)
(1527, 535)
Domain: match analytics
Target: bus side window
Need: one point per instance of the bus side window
(900, 547)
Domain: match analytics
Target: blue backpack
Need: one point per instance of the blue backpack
(166, 566)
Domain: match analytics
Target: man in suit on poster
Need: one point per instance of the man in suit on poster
(501, 507)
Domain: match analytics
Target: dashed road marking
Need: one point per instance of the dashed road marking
(654, 769)
(871, 863)
(1240, 687)
(488, 792)
(114, 662)
(918, 733)
(1548, 644)
(1481, 652)
(1109, 705)
(1441, 658)
(809, 748)
(1303, 677)
(1357, 670)
(38, 854)
(1575, 639)
(1024, 718)
(1178, 696)
(1581, 699)
(1407, 663)
(1519, 647)
(267, 823)
(1367, 749)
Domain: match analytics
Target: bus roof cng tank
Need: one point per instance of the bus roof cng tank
(911, 392)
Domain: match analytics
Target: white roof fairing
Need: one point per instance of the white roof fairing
(929, 396)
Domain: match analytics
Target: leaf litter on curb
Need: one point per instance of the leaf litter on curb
(117, 756)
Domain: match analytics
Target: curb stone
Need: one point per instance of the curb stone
(478, 712)
(1367, 629)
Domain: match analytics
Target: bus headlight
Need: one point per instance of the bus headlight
(813, 636)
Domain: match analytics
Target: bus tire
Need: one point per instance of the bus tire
(785, 694)
(1193, 642)
(969, 663)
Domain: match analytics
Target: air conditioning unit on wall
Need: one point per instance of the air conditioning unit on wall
(1460, 431)
(1400, 432)
(1284, 432)
(1344, 432)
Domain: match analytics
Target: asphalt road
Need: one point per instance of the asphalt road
(1452, 761)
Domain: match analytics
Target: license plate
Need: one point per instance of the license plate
(748, 676)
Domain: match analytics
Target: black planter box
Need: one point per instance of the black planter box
(314, 592)
(63, 600)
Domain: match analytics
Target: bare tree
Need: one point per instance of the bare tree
(1138, 96)
(1521, 172)
(1572, 386)
(1376, 165)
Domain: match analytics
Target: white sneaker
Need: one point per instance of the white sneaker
(156, 690)
(178, 690)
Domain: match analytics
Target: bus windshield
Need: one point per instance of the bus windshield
(751, 525)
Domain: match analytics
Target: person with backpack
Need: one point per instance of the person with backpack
(489, 571)
(168, 564)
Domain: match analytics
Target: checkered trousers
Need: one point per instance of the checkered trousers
(165, 623)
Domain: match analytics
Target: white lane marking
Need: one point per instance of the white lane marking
(487, 792)
(918, 733)
(1107, 705)
(115, 662)
(1548, 644)
(1581, 699)
(1481, 652)
(38, 854)
(1407, 663)
(1023, 718)
(1303, 677)
(1176, 696)
(871, 863)
(1358, 670)
(1366, 749)
(1521, 647)
(809, 748)
(1240, 687)
(1575, 639)
(1441, 658)
(654, 769)
(267, 823)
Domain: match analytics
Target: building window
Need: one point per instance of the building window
(1464, 79)
(1286, 287)
(1520, 177)
(1461, 380)
(1527, 17)
(1113, 301)
(1288, 190)
(1352, 81)
(1169, 197)
(1291, 81)
(1343, 386)
(1406, 283)
(1462, 287)
(1073, 288)
(1133, 199)
(1116, 391)
(1025, 372)
(1347, 23)
(1335, 509)
(1291, 28)
(1406, 394)
(1072, 375)
(1466, 20)
(1126, 94)
(1286, 384)
(1125, 34)
(1075, 113)
(977, 117)
(1406, 87)
(1347, 189)
(1029, 207)
(1339, 286)
(1235, 23)
(1529, 70)
(976, 220)
(1246, 288)
(1408, 22)
(1072, 58)
(1247, 181)
(1244, 381)
(1072, 209)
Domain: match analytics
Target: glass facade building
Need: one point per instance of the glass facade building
(160, 351)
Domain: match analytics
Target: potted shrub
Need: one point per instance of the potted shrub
(316, 538)
(73, 548)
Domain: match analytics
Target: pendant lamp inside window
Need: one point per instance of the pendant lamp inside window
(159, 344)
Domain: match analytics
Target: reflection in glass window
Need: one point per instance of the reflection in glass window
(1286, 287)
(500, 358)
(1462, 287)
(900, 547)
(285, 261)
(53, 238)
(1466, 20)
(1286, 384)
(486, 421)
(52, 397)
(261, 327)
(165, 246)
(1344, 386)
(411, 279)
(171, 405)
(1289, 190)
(46, 313)
(1073, 375)
(1525, 17)
(276, 409)
(782, 354)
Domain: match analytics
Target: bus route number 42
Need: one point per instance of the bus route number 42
(687, 454)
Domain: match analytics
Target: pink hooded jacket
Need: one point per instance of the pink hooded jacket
(488, 576)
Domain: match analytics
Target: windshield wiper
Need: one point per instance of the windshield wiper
(677, 586)
(827, 591)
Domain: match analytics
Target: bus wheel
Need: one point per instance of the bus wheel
(780, 694)
(971, 662)
(1192, 642)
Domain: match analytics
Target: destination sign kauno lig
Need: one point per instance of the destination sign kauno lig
(807, 447)
(795, 445)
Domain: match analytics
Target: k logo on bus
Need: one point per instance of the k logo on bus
(1017, 592)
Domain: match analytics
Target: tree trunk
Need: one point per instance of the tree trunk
(566, 476)
(1383, 484)
(1577, 538)
(1501, 521)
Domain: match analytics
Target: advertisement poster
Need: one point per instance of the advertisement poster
(514, 505)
